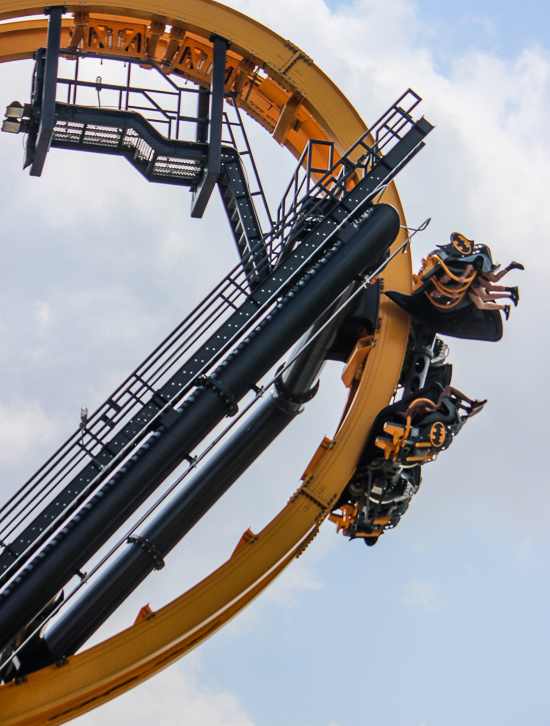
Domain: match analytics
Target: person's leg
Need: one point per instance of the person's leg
(482, 294)
(493, 292)
(492, 296)
(488, 305)
(489, 286)
(496, 276)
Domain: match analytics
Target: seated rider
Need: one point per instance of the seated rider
(483, 292)
(461, 268)
(405, 435)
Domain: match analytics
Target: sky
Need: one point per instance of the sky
(445, 621)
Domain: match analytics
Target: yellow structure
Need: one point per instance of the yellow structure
(281, 88)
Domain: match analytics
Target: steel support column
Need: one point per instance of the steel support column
(213, 167)
(49, 86)
(203, 110)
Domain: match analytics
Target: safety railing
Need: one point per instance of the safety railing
(163, 103)
(237, 137)
(306, 199)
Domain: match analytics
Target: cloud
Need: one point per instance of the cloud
(23, 425)
(420, 593)
(293, 582)
(523, 553)
(286, 593)
(490, 147)
(175, 698)
(43, 313)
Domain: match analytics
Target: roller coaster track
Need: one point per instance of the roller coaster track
(281, 88)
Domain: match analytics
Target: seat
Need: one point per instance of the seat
(439, 299)
(464, 320)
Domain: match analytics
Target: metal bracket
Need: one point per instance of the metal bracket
(224, 393)
(203, 110)
(150, 548)
(304, 397)
(48, 9)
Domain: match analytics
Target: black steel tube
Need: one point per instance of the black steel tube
(86, 532)
(136, 562)
(199, 494)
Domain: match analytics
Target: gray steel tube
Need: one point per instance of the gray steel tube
(107, 510)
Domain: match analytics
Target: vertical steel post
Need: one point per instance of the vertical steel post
(203, 109)
(216, 104)
(47, 118)
(213, 166)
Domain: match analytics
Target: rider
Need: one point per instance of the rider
(471, 271)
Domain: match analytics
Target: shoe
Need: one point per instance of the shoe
(515, 266)
(507, 311)
(514, 294)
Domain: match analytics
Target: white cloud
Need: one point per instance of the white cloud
(491, 171)
(23, 425)
(43, 313)
(286, 592)
(420, 593)
(523, 553)
(294, 581)
(176, 697)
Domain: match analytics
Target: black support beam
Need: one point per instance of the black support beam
(203, 110)
(49, 86)
(213, 167)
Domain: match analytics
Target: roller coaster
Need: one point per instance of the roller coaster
(328, 277)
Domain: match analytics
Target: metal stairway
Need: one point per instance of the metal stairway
(131, 127)
(168, 161)
(243, 219)
(127, 134)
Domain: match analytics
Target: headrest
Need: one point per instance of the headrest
(462, 244)
(465, 250)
